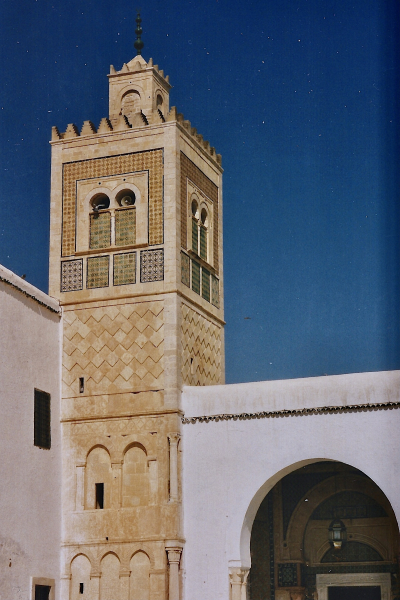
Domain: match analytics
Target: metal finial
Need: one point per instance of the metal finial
(138, 42)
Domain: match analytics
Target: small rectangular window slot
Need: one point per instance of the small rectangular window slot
(81, 385)
(42, 420)
(81, 588)
(99, 495)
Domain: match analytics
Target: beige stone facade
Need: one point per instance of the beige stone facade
(142, 314)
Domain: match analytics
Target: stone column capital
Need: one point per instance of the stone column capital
(174, 551)
(174, 438)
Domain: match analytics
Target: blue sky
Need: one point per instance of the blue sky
(299, 97)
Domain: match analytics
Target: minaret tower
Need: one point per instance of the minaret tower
(136, 262)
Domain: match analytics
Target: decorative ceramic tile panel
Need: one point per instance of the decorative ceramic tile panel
(151, 161)
(71, 275)
(100, 230)
(116, 348)
(201, 343)
(185, 269)
(287, 575)
(124, 268)
(151, 265)
(205, 284)
(125, 226)
(196, 277)
(203, 242)
(190, 171)
(215, 291)
(97, 272)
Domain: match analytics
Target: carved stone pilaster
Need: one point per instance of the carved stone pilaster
(173, 466)
(238, 583)
(174, 551)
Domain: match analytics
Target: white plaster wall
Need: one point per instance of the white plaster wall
(229, 466)
(30, 481)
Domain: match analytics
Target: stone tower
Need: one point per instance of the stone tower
(136, 262)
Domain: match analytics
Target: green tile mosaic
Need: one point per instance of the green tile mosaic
(124, 268)
(97, 272)
(203, 242)
(195, 236)
(100, 230)
(215, 291)
(125, 227)
(196, 277)
(205, 284)
(185, 269)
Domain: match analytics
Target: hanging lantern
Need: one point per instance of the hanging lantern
(337, 534)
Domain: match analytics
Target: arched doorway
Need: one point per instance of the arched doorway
(323, 531)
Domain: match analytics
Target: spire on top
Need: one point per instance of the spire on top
(138, 42)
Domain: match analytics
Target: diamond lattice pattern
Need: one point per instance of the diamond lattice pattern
(201, 341)
(115, 348)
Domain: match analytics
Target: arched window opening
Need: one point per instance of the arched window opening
(139, 580)
(135, 478)
(203, 235)
(80, 578)
(130, 104)
(160, 102)
(109, 581)
(98, 479)
(195, 227)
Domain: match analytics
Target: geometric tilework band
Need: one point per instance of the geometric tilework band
(150, 161)
(123, 273)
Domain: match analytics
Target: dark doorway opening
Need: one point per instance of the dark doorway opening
(354, 593)
(42, 592)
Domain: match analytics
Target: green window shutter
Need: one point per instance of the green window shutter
(203, 242)
(195, 236)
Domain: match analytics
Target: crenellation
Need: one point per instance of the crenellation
(121, 124)
(71, 132)
(105, 126)
(172, 115)
(88, 128)
(55, 134)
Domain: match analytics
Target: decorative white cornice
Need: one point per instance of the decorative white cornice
(299, 412)
(28, 290)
